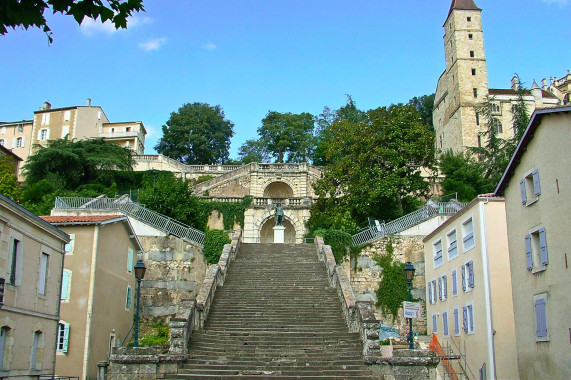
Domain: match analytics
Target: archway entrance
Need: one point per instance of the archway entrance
(267, 231)
(278, 190)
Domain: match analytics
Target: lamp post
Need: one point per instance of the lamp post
(140, 270)
(409, 275)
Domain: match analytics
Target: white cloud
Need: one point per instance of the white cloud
(90, 27)
(209, 46)
(561, 3)
(135, 21)
(153, 44)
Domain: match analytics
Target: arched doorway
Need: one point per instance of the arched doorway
(278, 189)
(267, 231)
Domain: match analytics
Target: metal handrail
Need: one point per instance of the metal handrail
(136, 211)
(368, 234)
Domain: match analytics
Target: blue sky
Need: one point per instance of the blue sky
(254, 56)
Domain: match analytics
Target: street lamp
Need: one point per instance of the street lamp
(140, 270)
(409, 275)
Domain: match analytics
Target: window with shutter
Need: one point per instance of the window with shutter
(438, 260)
(430, 292)
(129, 298)
(62, 336)
(536, 250)
(470, 266)
(541, 329)
(536, 184)
(440, 288)
(434, 323)
(465, 318)
(528, 258)
(71, 245)
(543, 247)
(452, 249)
(470, 315)
(130, 260)
(456, 321)
(468, 235)
(523, 191)
(434, 291)
(454, 282)
(65, 285)
(464, 277)
(444, 287)
(530, 188)
(445, 323)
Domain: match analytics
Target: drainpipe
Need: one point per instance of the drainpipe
(90, 302)
(487, 291)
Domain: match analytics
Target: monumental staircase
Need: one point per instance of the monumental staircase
(275, 317)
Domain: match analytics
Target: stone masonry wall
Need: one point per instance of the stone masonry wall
(175, 271)
(366, 275)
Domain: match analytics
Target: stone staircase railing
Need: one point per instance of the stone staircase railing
(405, 222)
(134, 210)
(358, 314)
(192, 314)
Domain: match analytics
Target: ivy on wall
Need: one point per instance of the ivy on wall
(214, 241)
(341, 244)
(232, 212)
(393, 289)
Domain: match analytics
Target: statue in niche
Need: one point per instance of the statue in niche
(279, 215)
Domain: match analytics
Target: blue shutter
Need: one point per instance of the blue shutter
(129, 299)
(470, 274)
(440, 288)
(528, 257)
(465, 318)
(434, 323)
(65, 336)
(540, 317)
(454, 283)
(543, 247)
(445, 323)
(536, 185)
(434, 290)
(523, 192)
(430, 291)
(130, 260)
(445, 286)
(463, 278)
(471, 317)
(65, 285)
(456, 322)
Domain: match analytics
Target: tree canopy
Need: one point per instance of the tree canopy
(30, 13)
(374, 167)
(197, 134)
(424, 105)
(67, 164)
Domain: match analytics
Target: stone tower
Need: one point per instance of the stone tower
(464, 82)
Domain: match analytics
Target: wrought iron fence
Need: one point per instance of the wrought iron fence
(134, 210)
(368, 234)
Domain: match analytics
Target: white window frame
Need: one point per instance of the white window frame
(437, 253)
(19, 142)
(43, 273)
(536, 298)
(466, 235)
(45, 118)
(66, 285)
(69, 247)
(534, 243)
(530, 187)
(471, 319)
(445, 324)
(454, 279)
(444, 285)
(62, 337)
(43, 134)
(457, 318)
(466, 276)
(67, 115)
(452, 244)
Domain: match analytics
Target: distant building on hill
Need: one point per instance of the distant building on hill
(464, 84)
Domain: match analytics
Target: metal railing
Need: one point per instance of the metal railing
(370, 233)
(134, 210)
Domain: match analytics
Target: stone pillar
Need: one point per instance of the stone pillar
(414, 364)
(102, 370)
(279, 234)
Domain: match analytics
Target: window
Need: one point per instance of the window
(43, 134)
(2, 142)
(471, 53)
(432, 291)
(470, 36)
(479, 141)
(36, 357)
(456, 321)
(62, 336)
(437, 250)
(45, 119)
(454, 282)
(445, 323)
(468, 19)
(475, 91)
(130, 260)
(71, 245)
(66, 115)
(477, 118)
(4, 346)
(129, 298)
(19, 142)
(43, 275)
(20, 128)
(468, 276)
(530, 185)
(434, 323)
(444, 287)
(64, 131)
(536, 250)
(16, 265)
(470, 316)
(541, 332)
(3, 130)
(496, 109)
(473, 71)
(497, 124)
(65, 285)
(452, 249)
(468, 235)
(127, 129)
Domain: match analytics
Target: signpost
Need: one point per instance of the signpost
(411, 309)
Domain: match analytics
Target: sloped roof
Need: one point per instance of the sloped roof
(464, 5)
(509, 91)
(82, 219)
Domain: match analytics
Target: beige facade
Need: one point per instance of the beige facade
(464, 84)
(31, 260)
(16, 136)
(98, 292)
(469, 305)
(129, 134)
(536, 188)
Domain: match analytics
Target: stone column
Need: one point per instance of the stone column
(279, 234)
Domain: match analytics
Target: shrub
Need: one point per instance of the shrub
(214, 241)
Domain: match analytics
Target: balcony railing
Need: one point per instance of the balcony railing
(134, 210)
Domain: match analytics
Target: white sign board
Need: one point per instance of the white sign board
(411, 309)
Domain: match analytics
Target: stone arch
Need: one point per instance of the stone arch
(278, 189)
(268, 217)
(284, 181)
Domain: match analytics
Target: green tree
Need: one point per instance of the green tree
(68, 164)
(375, 165)
(253, 151)
(288, 136)
(424, 105)
(9, 186)
(30, 13)
(464, 175)
(197, 134)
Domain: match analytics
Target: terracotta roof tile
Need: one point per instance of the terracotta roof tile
(89, 219)
(509, 91)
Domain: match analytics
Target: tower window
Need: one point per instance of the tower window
(475, 92)
(471, 53)
(470, 36)
(477, 118)
(473, 71)
(468, 19)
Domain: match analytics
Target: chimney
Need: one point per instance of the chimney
(515, 83)
(47, 106)
(536, 91)
(544, 84)
(88, 103)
